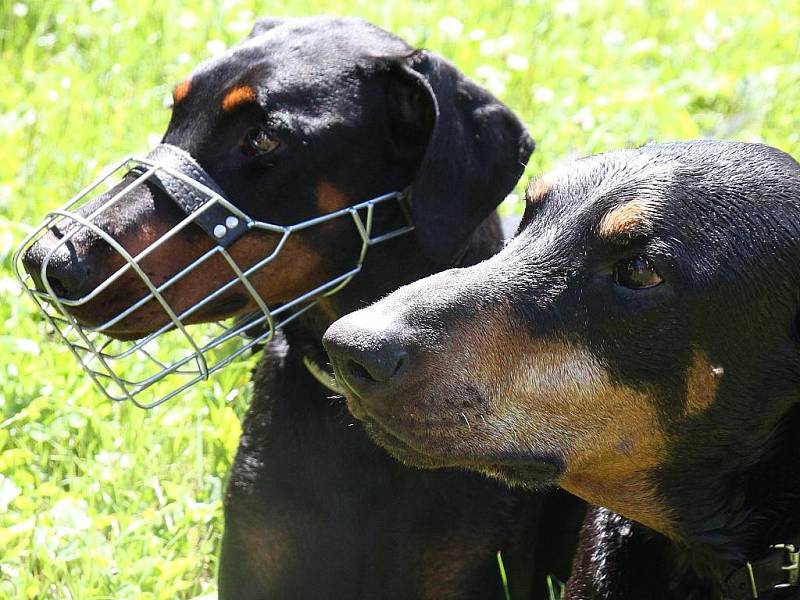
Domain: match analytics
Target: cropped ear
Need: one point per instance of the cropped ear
(476, 151)
(264, 25)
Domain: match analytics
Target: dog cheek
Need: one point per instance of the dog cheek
(702, 382)
(541, 399)
(551, 397)
(297, 268)
(330, 197)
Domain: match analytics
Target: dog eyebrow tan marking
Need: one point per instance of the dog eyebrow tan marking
(627, 220)
(180, 91)
(238, 95)
(538, 189)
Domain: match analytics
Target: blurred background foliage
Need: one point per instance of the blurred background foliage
(106, 501)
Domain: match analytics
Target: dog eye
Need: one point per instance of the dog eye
(259, 141)
(636, 273)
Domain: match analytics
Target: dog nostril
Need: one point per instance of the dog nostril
(375, 368)
(358, 371)
(400, 362)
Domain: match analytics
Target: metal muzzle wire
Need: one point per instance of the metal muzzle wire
(175, 356)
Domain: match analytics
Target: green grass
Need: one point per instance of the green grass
(102, 501)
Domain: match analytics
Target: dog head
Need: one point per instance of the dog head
(638, 335)
(304, 117)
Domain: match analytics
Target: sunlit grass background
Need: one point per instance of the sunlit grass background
(107, 501)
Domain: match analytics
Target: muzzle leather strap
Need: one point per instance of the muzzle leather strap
(217, 220)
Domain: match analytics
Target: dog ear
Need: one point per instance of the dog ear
(476, 150)
(264, 25)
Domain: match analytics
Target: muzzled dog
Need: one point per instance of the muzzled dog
(637, 344)
(93, 319)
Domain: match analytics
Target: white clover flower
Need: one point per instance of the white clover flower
(643, 45)
(635, 95)
(567, 7)
(543, 95)
(450, 27)
(614, 37)
(187, 20)
(516, 62)
(493, 78)
(504, 43)
(10, 286)
(215, 47)
(770, 75)
(19, 10)
(488, 47)
(8, 491)
(705, 41)
(585, 118)
(28, 346)
(48, 40)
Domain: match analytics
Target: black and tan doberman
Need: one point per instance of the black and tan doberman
(637, 344)
(303, 118)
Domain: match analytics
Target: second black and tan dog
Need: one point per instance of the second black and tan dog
(637, 344)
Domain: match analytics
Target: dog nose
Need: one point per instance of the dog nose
(69, 277)
(364, 356)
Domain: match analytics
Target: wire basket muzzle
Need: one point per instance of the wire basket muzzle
(176, 354)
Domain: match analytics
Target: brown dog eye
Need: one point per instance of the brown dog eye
(636, 273)
(261, 142)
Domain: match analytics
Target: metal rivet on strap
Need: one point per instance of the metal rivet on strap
(231, 222)
(220, 231)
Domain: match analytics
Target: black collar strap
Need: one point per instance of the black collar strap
(779, 570)
(223, 225)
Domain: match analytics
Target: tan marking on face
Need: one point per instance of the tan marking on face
(623, 486)
(295, 270)
(701, 386)
(330, 198)
(628, 489)
(554, 397)
(629, 219)
(237, 96)
(609, 435)
(538, 189)
(180, 91)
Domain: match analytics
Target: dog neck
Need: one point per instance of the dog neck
(740, 515)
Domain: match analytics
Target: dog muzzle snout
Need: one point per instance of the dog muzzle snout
(177, 353)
